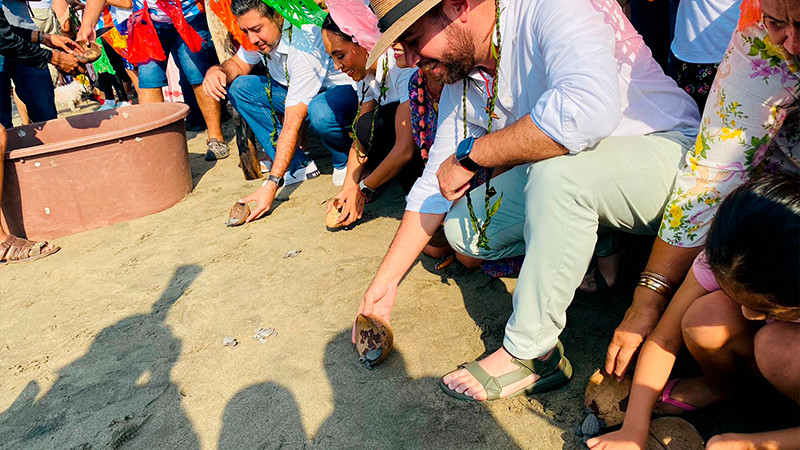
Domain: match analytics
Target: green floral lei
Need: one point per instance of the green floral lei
(491, 208)
(273, 136)
(383, 90)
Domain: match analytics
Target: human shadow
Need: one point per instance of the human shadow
(379, 408)
(120, 390)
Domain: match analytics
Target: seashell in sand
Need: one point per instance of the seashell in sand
(607, 398)
(332, 217)
(91, 52)
(237, 215)
(673, 433)
(374, 339)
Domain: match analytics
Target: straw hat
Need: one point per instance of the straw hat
(394, 18)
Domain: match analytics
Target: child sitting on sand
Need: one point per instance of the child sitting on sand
(738, 311)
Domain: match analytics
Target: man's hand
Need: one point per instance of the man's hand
(638, 323)
(215, 82)
(86, 33)
(263, 197)
(378, 300)
(61, 42)
(66, 63)
(350, 201)
(453, 179)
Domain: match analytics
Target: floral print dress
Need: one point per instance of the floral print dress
(751, 125)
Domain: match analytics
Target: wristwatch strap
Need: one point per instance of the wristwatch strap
(366, 190)
(277, 180)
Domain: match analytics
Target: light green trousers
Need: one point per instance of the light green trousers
(552, 211)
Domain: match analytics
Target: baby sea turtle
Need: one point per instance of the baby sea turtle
(374, 339)
(238, 214)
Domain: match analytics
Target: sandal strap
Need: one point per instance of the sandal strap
(666, 396)
(15, 248)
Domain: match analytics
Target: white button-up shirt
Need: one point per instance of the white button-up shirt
(303, 56)
(578, 69)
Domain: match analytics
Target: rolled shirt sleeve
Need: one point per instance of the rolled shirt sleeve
(582, 103)
(251, 57)
(751, 124)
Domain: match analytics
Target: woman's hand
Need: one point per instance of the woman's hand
(620, 439)
(351, 204)
(640, 320)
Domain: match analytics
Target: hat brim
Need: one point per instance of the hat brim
(398, 28)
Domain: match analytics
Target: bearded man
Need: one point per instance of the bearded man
(589, 129)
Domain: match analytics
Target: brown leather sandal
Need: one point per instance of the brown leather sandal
(15, 250)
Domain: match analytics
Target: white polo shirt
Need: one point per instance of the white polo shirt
(396, 81)
(310, 68)
(578, 69)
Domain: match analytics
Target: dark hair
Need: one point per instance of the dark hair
(754, 241)
(241, 7)
(329, 25)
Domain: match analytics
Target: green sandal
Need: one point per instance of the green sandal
(554, 373)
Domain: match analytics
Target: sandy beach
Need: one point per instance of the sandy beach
(117, 340)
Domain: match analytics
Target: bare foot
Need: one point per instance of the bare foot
(497, 364)
(607, 267)
(696, 392)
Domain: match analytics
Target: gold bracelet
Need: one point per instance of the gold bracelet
(657, 275)
(656, 284)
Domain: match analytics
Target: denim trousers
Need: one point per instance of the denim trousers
(330, 114)
(552, 211)
(33, 86)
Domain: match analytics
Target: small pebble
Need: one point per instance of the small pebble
(292, 253)
(591, 426)
(230, 342)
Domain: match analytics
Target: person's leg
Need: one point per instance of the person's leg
(5, 98)
(721, 341)
(331, 115)
(194, 66)
(776, 348)
(551, 212)
(248, 95)
(153, 74)
(35, 88)
(22, 110)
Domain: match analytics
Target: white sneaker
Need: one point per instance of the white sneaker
(107, 104)
(302, 174)
(123, 104)
(339, 176)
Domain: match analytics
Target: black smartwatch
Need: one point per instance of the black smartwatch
(462, 155)
(366, 190)
(277, 180)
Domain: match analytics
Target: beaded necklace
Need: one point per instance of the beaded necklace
(362, 153)
(273, 136)
(424, 112)
(491, 209)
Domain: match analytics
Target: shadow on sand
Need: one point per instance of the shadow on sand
(124, 376)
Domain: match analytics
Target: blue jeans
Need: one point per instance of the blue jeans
(34, 87)
(330, 114)
(153, 74)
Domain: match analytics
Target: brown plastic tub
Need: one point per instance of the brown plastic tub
(82, 172)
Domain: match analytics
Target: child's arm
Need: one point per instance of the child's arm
(652, 370)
